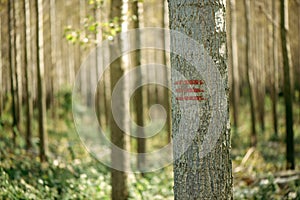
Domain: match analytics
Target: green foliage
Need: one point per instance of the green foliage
(85, 35)
(72, 173)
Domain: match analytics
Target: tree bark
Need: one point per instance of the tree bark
(248, 71)
(11, 68)
(167, 100)
(274, 78)
(198, 176)
(40, 82)
(234, 67)
(138, 98)
(17, 62)
(290, 155)
(29, 108)
(118, 136)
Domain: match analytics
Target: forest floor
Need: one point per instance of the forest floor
(71, 173)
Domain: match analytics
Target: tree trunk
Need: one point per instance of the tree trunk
(11, 68)
(274, 78)
(138, 98)
(167, 100)
(27, 72)
(17, 62)
(248, 71)
(118, 136)
(1, 71)
(201, 170)
(234, 67)
(40, 82)
(290, 155)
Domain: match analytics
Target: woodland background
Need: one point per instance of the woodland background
(43, 44)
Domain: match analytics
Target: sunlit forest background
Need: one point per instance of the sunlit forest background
(44, 43)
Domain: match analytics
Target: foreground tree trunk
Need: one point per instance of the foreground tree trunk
(200, 175)
(290, 155)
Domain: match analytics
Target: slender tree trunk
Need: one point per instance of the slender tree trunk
(54, 57)
(47, 51)
(138, 98)
(248, 71)
(1, 70)
(167, 99)
(260, 76)
(16, 61)
(274, 78)
(234, 67)
(11, 68)
(40, 82)
(290, 154)
(199, 174)
(118, 136)
(27, 72)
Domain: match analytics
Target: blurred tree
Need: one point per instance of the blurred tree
(138, 98)
(290, 154)
(11, 67)
(17, 61)
(167, 99)
(234, 63)
(248, 71)
(274, 70)
(1, 73)
(260, 62)
(195, 177)
(26, 50)
(40, 81)
(118, 136)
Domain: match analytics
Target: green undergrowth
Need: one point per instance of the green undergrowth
(72, 173)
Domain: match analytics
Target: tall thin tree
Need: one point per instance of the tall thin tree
(40, 82)
(118, 136)
(26, 26)
(234, 62)
(11, 68)
(138, 98)
(290, 152)
(248, 71)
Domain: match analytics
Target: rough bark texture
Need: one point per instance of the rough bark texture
(197, 177)
(290, 155)
(118, 137)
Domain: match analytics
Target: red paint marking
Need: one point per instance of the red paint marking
(189, 90)
(189, 82)
(193, 98)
